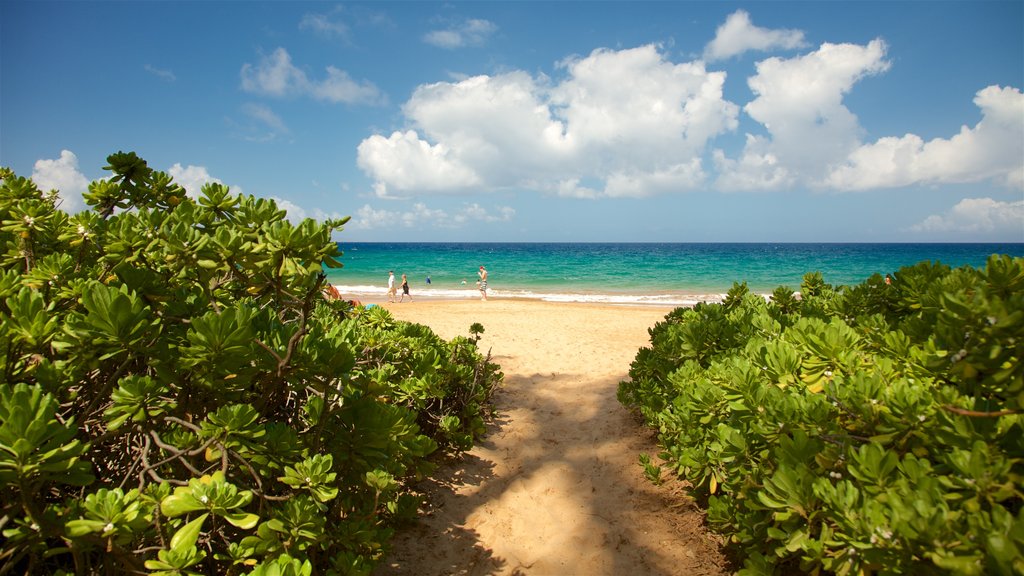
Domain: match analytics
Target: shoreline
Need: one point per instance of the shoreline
(670, 299)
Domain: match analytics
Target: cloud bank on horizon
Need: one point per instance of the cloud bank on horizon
(634, 123)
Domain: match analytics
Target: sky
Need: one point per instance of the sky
(669, 121)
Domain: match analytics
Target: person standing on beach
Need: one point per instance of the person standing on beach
(391, 286)
(405, 289)
(482, 273)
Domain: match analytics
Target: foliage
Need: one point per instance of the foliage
(873, 429)
(179, 397)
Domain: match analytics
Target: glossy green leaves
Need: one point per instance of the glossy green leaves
(34, 446)
(866, 429)
(214, 494)
(179, 396)
(314, 475)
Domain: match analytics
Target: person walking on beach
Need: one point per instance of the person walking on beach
(482, 273)
(391, 286)
(405, 289)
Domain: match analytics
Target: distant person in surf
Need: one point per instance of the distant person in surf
(482, 273)
(391, 285)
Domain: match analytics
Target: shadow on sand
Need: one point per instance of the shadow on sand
(564, 454)
(437, 543)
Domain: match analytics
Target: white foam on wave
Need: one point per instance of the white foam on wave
(469, 293)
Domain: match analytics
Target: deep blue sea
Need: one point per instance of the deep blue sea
(669, 274)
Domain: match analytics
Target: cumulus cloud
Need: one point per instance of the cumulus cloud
(991, 150)
(756, 169)
(633, 123)
(799, 101)
(191, 178)
(630, 122)
(275, 75)
(370, 218)
(62, 174)
(978, 216)
(738, 35)
(471, 32)
(405, 162)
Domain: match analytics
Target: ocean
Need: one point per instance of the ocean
(628, 273)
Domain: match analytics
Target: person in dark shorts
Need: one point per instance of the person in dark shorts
(405, 289)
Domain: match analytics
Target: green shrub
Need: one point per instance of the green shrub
(873, 429)
(179, 397)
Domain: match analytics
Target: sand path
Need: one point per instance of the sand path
(555, 488)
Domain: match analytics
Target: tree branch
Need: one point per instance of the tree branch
(977, 414)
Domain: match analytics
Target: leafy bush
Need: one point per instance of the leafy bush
(873, 429)
(178, 396)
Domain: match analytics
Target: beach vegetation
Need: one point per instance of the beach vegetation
(178, 396)
(868, 429)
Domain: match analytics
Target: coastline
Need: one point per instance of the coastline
(378, 295)
(615, 272)
(641, 274)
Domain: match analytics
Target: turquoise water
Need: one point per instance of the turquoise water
(676, 274)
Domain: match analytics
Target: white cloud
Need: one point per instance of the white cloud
(323, 25)
(632, 123)
(297, 214)
(266, 118)
(757, 169)
(979, 216)
(476, 212)
(409, 163)
(276, 76)
(739, 35)
(370, 218)
(681, 176)
(627, 120)
(992, 150)
(799, 101)
(166, 75)
(472, 32)
(62, 174)
(193, 178)
(340, 87)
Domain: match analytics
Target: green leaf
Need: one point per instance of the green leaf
(187, 535)
(34, 446)
(242, 520)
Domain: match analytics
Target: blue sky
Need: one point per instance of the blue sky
(542, 121)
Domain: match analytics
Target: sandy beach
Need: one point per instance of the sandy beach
(555, 488)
